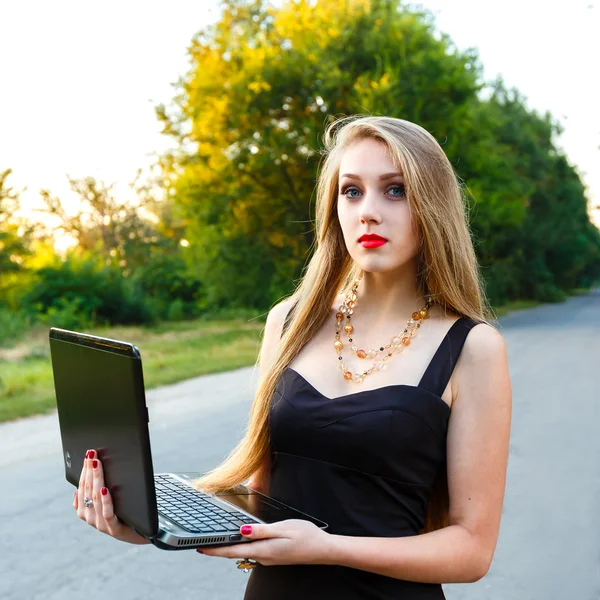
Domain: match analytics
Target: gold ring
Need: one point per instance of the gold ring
(246, 564)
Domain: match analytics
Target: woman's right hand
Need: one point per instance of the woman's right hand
(101, 515)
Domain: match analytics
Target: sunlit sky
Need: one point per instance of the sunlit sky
(79, 80)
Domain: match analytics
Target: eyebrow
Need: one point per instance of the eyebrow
(381, 177)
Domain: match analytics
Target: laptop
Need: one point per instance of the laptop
(101, 403)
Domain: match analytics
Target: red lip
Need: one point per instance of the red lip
(371, 237)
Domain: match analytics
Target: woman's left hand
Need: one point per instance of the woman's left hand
(291, 542)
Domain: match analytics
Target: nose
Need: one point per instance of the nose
(369, 211)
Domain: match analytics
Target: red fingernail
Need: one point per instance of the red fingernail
(104, 491)
(92, 454)
(87, 454)
(246, 529)
(200, 551)
(94, 464)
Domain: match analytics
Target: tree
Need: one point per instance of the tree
(251, 111)
(113, 229)
(15, 238)
(535, 237)
(249, 114)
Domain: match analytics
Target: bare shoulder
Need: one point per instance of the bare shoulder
(277, 316)
(483, 342)
(272, 331)
(483, 358)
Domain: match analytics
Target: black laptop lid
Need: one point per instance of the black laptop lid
(101, 404)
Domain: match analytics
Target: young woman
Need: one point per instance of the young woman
(384, 400)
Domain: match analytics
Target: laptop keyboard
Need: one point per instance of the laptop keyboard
(193, 509)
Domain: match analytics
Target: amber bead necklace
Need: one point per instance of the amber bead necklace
(396, 345)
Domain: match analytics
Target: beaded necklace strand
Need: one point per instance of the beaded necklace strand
(396, 345)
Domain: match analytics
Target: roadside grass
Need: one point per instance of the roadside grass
(171, 352)
(516, 305)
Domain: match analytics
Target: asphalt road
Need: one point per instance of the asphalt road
(549, 543)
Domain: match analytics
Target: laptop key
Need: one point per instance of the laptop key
(221, 529)
(199, 525)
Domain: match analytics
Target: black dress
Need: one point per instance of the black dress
(365, 464)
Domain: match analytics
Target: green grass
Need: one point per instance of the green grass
(171, 352)
(516, 305)
(525, 304)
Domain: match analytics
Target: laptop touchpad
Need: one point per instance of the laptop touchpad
(262, 508)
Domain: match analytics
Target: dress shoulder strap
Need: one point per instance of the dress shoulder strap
(288, 318)
(438, 372)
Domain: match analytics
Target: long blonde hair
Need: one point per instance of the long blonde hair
(447, 270)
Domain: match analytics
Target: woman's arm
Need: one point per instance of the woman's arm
(477, 457)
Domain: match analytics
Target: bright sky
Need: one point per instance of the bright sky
(80, 79)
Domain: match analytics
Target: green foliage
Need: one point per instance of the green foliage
(15, 239)
(535, 239)
(69, 313)
(114, 231)
(82, 288)
(138, 272)
(248, 118)
(249, 115)
(165, 278)
(14, 324)
(240, 271)
(176, 310)
(255, 103)
(82, 291)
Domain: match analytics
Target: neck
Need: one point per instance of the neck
(389, 297)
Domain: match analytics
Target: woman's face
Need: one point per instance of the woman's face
(371, 200)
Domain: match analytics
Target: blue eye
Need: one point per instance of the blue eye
(401, 190)
(349, 189)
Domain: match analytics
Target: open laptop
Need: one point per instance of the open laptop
(101, 404)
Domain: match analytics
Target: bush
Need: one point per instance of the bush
(83, 284)
(14, 324)
(166, 279)
(176, 310)
(69, 313)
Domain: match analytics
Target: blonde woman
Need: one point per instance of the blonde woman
(384, 405)
(384, 401)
